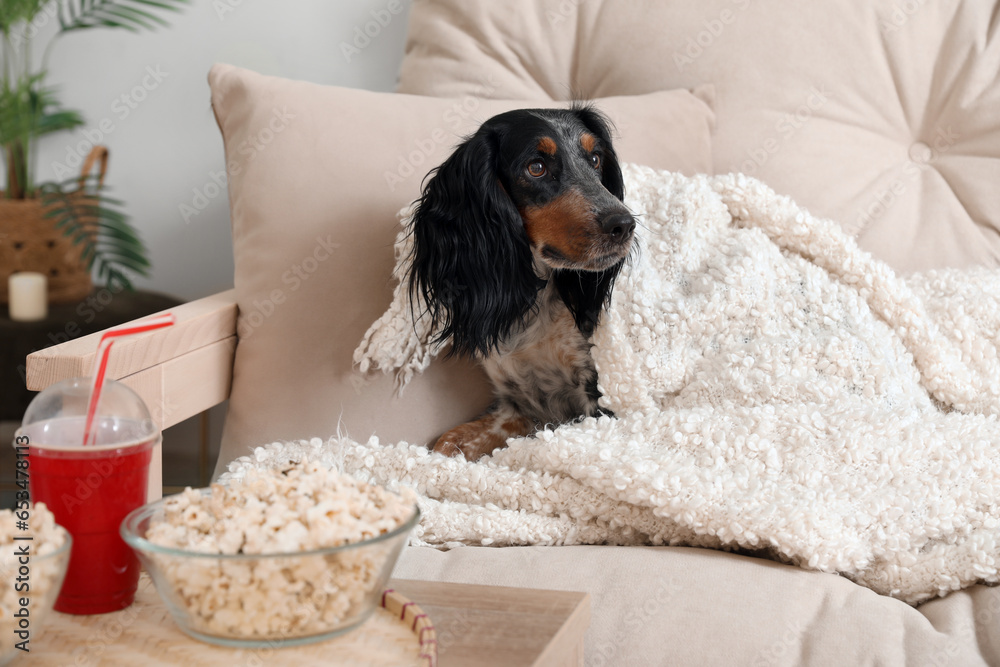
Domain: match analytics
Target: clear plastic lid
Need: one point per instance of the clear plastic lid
(57, 416)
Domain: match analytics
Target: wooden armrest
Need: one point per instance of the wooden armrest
(178, 371)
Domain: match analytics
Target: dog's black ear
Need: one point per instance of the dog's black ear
(599, 125)
(471, 258)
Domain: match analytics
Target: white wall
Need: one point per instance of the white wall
(168, 146)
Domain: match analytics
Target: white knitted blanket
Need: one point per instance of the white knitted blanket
(776, 389)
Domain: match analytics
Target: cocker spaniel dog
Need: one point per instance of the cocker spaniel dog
(518, 238)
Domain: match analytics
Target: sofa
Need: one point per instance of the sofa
(883, 116)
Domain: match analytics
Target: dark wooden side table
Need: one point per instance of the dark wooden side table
(103, 308)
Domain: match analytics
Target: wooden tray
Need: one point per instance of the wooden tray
(474, 626)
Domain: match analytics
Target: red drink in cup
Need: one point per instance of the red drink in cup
(90, 488)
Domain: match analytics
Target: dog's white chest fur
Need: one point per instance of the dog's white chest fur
(544, 369)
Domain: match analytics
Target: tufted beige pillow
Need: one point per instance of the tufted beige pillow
(883, 115)
(317, 175)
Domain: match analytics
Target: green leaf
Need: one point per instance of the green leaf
(29, 110)
(58, 121)
(139, 17)
(131, 15)
(109, 244)
(13, 12)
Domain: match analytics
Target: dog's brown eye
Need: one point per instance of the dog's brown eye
(595, 161)
(536, 168)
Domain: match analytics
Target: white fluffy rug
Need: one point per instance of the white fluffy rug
(776, 389)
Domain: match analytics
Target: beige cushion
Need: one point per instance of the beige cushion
(882, 115)
(682, 606)
(317, 176)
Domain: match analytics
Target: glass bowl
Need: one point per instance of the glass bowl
(45, 577)
(267, 600)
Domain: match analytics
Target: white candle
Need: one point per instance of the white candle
(28, 297)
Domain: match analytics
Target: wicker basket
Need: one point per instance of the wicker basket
(31, 242)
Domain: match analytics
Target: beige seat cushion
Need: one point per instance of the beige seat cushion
(317, 175)
(682, 606)
(883, 115)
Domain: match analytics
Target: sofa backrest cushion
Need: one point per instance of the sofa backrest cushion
(883, 115)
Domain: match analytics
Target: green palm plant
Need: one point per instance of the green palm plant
(29, 111)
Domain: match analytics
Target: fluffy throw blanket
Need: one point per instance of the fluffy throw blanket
(776, 389)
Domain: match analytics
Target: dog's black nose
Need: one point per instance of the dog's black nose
(618, 225)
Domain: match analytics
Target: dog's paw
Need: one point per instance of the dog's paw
(483, 436)
(470, 441)
(448, 447)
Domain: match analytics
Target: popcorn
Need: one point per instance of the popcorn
(302, 507)
(45, 576)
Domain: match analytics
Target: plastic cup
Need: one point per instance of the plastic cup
(90, 488)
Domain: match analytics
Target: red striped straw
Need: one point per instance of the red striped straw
(101, 363)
